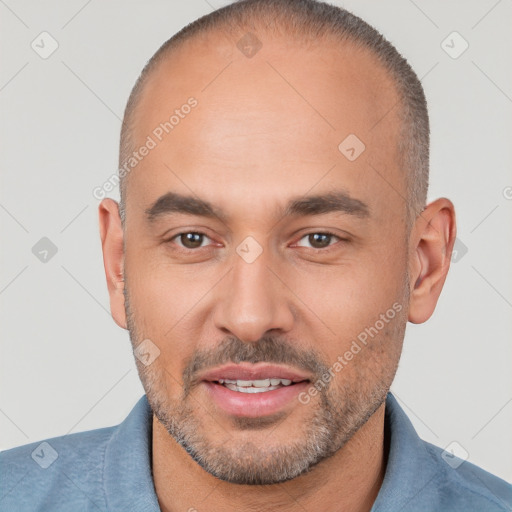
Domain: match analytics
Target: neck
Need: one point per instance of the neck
(349, 480)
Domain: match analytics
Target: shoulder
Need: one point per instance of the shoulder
(103, 469)
(69, 467)
(421, 476)
(461, 485)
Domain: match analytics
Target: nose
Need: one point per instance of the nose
(253, 300)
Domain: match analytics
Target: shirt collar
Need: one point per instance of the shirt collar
(127, 477)
(410, 468)
(129, 452)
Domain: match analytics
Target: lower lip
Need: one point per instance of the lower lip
(253, 405)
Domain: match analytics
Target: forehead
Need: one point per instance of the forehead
(283, 120)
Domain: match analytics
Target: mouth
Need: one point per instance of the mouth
(255, 386)
(254, 390)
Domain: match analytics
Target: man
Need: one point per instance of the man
(271, 242)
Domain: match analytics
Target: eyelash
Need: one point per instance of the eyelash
(323, 250)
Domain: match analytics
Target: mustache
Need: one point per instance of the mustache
(269, 349)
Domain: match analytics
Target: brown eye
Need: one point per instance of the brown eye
(190, 240)
(319, 240)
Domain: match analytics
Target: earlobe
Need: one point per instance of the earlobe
(111, 233)
(432, 239)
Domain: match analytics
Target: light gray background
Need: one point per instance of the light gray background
(67, 367)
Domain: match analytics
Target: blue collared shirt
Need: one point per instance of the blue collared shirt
(109, 469)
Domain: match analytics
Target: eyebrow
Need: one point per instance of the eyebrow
(335, 201)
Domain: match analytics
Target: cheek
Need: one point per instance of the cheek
(347, 299)
(165, 301)
(161, 293)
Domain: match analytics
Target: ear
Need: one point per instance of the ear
(431, 244)
(111, 233)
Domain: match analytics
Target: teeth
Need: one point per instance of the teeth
(265, 383)
(255, 386)
(250, 389)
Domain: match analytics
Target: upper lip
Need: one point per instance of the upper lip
(253, 372)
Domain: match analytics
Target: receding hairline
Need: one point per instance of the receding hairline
(348, 46)
(238, 18)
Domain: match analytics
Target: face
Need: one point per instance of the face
(267, 269)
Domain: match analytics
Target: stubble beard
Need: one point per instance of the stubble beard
(336, 415)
